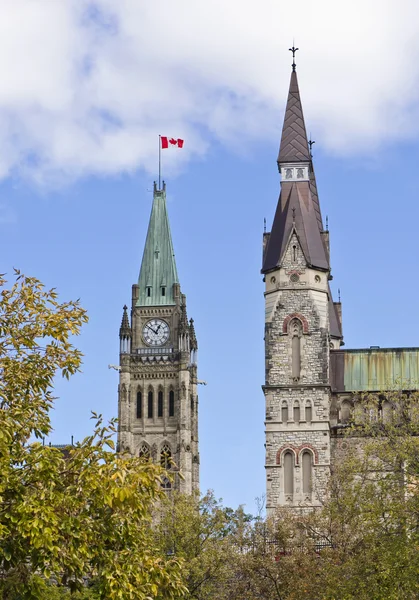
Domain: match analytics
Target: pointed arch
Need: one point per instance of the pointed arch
(144, 451)
(171, 403)
(296, 412)
(307, 465)
(150, 403)
(300, 317)
(166, 456)
(284, 412)
(288, 460)
(139, 407)
(308, 411)
(160, 403)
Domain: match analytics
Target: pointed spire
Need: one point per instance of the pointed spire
(183, 320)
(192, 336)
(294, 143)
(125, 329)
(158, 271)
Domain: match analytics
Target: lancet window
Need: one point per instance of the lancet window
(307, 462)
(289, 474)
(166, 456)
(160, 404)
(144, 451)
(295, 331)
(150, 405)
(139, 405)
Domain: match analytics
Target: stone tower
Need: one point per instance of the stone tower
(302, 324)
(158, 402)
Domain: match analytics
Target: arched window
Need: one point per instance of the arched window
(160, 404)
(139, 405)
(166, 484)
(166, 457)
(297, 412)
(309, 415)
(307, 472)
(171, 403)
(295, 331)
(288, 473)
(284, 412)
(144, 452)
(150, 405)
(294, 253)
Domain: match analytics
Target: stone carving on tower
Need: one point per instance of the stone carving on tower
(157, 398)
(302, 324)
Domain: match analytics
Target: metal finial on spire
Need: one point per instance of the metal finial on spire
(264, 225)
(339, 294)
(293, 216)
(327, 223)
(310, 143)
(293, 50)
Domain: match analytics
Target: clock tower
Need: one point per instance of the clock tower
(157, 394)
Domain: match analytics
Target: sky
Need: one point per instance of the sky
(86, 89)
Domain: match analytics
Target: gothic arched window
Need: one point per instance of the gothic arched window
(139, 405)
(284, 412)
(309, 411)
(307, 472)
(166, 457)
(150, 405)
(160, 404)
(144, 451)
(296, 412)
(295, 331)
(171, 403)
(289, 473)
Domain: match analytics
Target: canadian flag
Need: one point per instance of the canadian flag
(166, 142)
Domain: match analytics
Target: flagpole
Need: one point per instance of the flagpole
(159, 162)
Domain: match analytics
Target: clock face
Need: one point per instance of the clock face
(156, 332)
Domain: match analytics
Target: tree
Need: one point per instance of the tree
(85, 514)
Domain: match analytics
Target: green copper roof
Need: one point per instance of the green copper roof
(158, 270)
(375, 369)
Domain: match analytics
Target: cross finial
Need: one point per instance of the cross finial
(293, 215)
(293, 50)
(310, 143)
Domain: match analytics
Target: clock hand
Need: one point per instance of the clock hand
(148, 327)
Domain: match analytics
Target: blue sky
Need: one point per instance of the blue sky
(80, 115)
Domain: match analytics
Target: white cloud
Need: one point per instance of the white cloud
(88, 90)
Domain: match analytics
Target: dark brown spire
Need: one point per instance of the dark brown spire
(294, 142)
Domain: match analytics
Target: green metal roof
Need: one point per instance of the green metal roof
(377, 369)
(158, 270)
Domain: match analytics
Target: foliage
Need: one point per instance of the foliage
(82, 513)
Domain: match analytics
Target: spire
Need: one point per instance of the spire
(158, 271)
(294, 143)
(125, 329)
(183, 320)
(298, 208)
(192, 335)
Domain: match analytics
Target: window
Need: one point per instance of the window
(308, 413)
(166, 457)
(297, 413)
(165, 483)
(289, 473)
(163, 291)
(171, 403)
(284, 413)
(150, 404)
(307, 472)
(139, 405)
(144, 452)
(148, 292)
(295, 332)
(192, 405)
(294, 253)
(160, 405)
